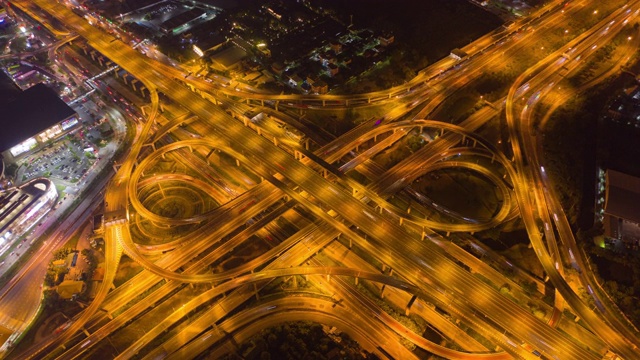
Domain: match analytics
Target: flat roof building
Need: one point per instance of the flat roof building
(458, 54)
(181, 22)
(229, 58)
(621, 210)
(32, 118)
(8, 89)
(68, 288)
(23, 207)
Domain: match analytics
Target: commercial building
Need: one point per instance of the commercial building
(228, 59)
(21, 208)
(621, 212)
(33, 118)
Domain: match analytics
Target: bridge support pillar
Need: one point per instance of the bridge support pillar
(448, 233)
(261, 102)
(306, 144)
(275, 141)
(324, 103)
(350, 243)
(259, 130)
(245, 122)
(401, 220)
(407, 310)
(375, 138)
(424, 235)
(354, 192)
(384, 287)
(368, 100)
(328, 278)
(237, 162)
(475, 142)
(409, 210)
(357, 280)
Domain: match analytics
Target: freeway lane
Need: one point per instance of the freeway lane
(287, 162)
(624, 345)
(507, 314)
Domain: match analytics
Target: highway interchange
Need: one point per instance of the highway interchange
(297, 181)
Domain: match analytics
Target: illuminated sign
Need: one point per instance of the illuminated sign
(24, 146)
(69, 123)
(197, 50)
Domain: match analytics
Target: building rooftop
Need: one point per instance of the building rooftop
(229, 57)
(181, 19)
(68, 288)
(32, 111)
(8, 89)
(622, 196)
(18, 201)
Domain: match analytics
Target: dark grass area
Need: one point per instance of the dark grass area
(571, 155)
(430, 27)
(505, 239)
(619, 147)
(613, 271)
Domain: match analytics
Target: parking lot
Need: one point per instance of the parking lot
(65, 162)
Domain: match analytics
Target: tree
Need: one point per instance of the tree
(50, 278)
(529, 287)
(50, 299)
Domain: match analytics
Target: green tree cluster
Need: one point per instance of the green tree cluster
(299, 340)
(55, 275)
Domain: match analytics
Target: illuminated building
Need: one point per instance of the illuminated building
(35, 117)
(23, 207)
(621, 213)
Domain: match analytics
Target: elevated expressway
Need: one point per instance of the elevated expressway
(274, 160)
(348, 207)
(534, 203)
(173, 176)
(482, 53)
